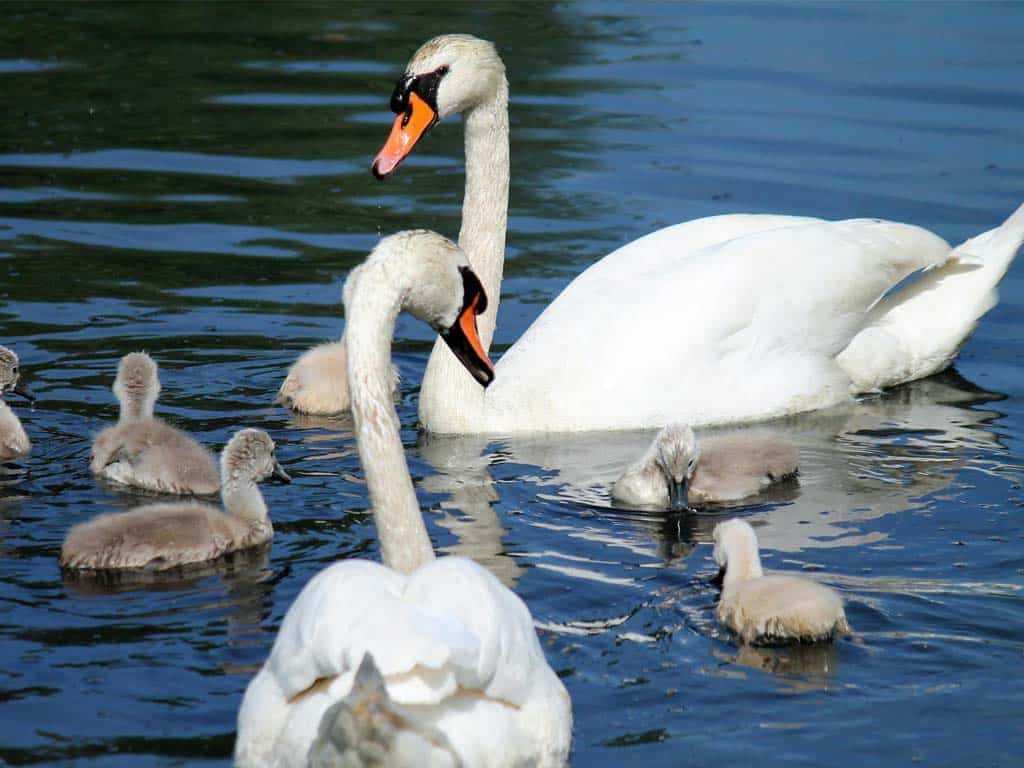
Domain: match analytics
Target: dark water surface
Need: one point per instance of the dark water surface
(193, 180)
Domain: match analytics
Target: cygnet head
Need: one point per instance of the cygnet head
(249, 457)
(447, 75)
(10, 372)
(735, 551)
(676, 453)
(137, 385)
(436, 285)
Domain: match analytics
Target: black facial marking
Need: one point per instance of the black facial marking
(424, 86)
(471, 288)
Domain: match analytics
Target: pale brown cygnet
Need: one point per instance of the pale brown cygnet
(317, 383)
(144, 451)
(677, 471)
(162, 536)
(775, 608)
(14, 443)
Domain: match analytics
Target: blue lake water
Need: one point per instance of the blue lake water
(193, 180)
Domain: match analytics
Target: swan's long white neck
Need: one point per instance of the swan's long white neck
(446, 384)
(369, 327)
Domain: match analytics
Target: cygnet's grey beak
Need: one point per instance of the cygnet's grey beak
(21, 389)
(678, 494)
(279, 474)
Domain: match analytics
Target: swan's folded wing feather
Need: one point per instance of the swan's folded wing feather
(449, 633)
(507, 655)
(919, 329)
(348, 609)
(766, 311)
(660, 249)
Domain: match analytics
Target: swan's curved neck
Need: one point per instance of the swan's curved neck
(369, 327)
(242, 499)
(446, 384)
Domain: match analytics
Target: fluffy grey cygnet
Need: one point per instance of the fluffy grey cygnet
(162, 536)
(144, 451)
(14, 443)
(677, 471)
(775, 608)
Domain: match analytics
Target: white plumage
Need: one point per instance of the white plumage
(456, 652)
(719, 320)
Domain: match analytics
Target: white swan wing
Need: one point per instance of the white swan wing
(920, 329)
(744, 328)
(456, 649)
(667, 245)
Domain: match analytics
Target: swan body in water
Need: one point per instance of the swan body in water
(446, 651)
(162, 536)
(144, 451)
(678, 471)
(775, 608)
(14, 443)
(713, 321)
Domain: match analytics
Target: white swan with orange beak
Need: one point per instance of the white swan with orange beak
(713, 321)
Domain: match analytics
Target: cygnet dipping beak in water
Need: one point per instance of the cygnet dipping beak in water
(774, 608)
(677, 471)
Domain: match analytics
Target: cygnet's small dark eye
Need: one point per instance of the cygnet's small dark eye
(14, 369)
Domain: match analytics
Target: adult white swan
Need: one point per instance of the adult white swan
(464, 679)
(718, 320)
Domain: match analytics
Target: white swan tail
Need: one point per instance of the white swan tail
(918, 330)
(366, 729)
